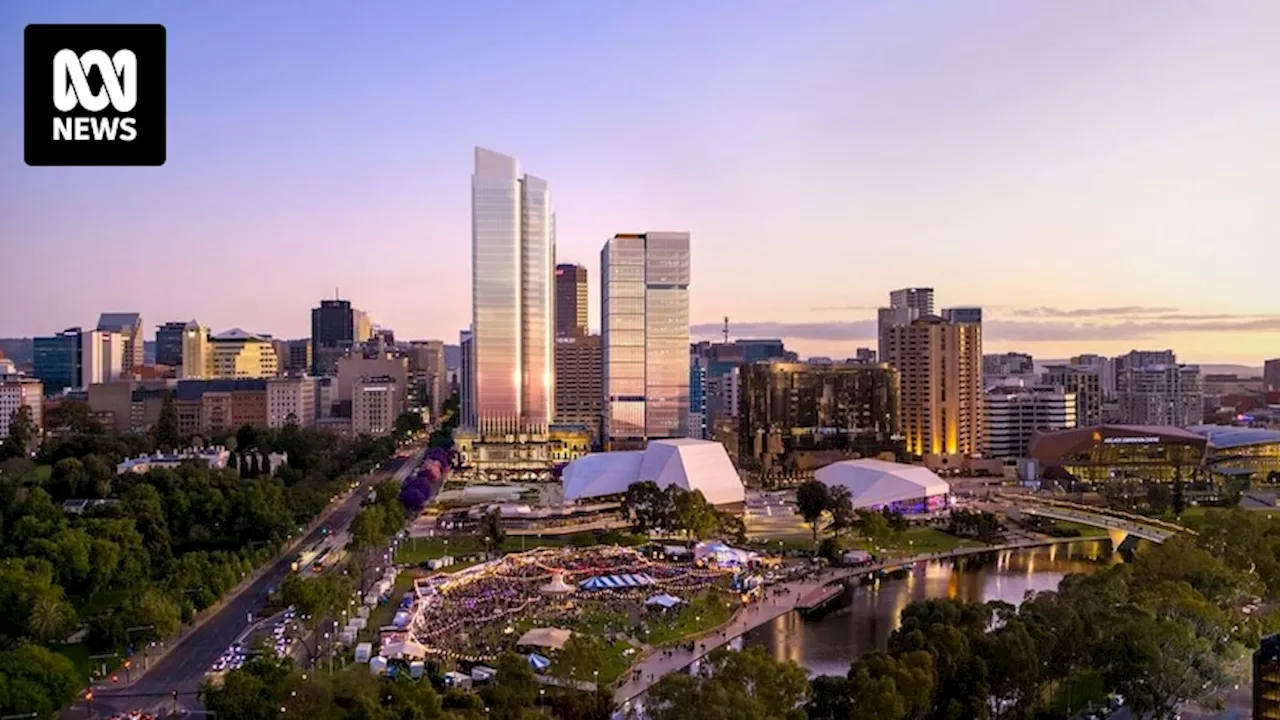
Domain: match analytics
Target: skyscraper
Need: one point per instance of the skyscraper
(571, 300)
(58, 360)
(512, 266)
(905, 305)
(644, 289)
(940, 365)
(197, 353)
(333, 332)
(169, 344)
(129, 327)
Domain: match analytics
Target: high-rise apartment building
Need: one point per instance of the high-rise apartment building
(512, 303)
(57, 360)
(644, 287)
(940, 367)
(16, 392)
(1013, 414)
(169, 338)
(1271, 375)
(1085, 382)
(571, 300)
(905, 305)
(333, 332)
(129, 327)
(579, 392)
(1160, 394)
(197, 353)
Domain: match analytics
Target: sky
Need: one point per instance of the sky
(1097, 175)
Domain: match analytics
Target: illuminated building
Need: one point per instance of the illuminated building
(1266, 679)
(939, 363)
(1103, 453)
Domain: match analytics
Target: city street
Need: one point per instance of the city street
(184, 668)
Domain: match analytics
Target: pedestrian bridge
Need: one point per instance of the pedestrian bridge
(1119, 529)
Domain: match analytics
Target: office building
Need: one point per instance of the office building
(965, 315)
(57, 361)
(579, 393)
(1010, 364)
(1012, 415)
(428, 376)
(865, 356)
(376, 402)
(101, 357)
(940, 368)
(333, 333)
(571, 300)
(905, 305)
(1160, 394)
(1085, 382)
(353, 368)
(169, 338)
(713, 382)
(241, 355)
(291, 400)
(466, 371)
(129, 327)
(795, 417)
(645, 335)
(197, 353)
(1271, 375)
(16, 392)
(513, 255)
(1106, 369)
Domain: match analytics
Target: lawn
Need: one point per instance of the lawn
(915, 541)
(1082, 529)
(79, 656)
(416, 551)
(382, 615)
(699, 615)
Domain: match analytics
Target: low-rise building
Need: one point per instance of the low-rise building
(17, 392)
(376, 402)
(243, 355)
(1014, 414)
(291, 400)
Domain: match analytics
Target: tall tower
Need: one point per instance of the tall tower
(571, 300)
(940, 365)
(644, 319)
(512, 269)
(905, 305)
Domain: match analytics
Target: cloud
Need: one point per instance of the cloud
(1008, 330)
(1120, 311)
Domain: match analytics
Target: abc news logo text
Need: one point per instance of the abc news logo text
(108, 101)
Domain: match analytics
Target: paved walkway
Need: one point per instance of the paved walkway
(780, 600)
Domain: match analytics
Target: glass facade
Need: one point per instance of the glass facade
(169, 344)
(513, 255)
(645, 333)
(57, 361)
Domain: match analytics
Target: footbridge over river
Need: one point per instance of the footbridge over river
(1120, 526)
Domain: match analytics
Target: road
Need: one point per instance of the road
(185, 666)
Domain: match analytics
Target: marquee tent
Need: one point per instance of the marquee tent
(616, 582)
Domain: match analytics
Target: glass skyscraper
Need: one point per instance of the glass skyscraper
(512, 294)
(644, 289)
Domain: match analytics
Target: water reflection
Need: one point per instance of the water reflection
(868, 613)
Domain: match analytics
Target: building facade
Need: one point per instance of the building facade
(197, 353)
(240, 355)
(905, 306)
(129, 327)
(579, 395)
(296, 358)
(1271, 375)
(57, 361)
(1085, 381)
(169, 342)
(940, 370)
(466, 371)
(333, 332)
(1266, 679)
(571, 300)
(1007, 365)
(513, 256)
(645, 337)
(796, 416)
(1161, 394)
(429, 379)
(17, 392)
(1013, 415)
(102, 354)
(291, 400)
(375, 405)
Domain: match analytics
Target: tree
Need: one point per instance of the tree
(874, 525)
(580, 656)
(22, 430)
(35, 680)
(408, 424)
(69, 479)
(167, 434)
(1158, 497)
(841, 508)
(649, 506)
(491, 529)
(693, 514)
(812, 500)
(1178, 501)
(513, 689)
(746, 685)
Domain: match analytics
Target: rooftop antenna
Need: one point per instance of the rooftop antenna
(726, 329)
(336, 296)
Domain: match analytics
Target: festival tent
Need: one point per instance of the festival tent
(553, 638)
(403, 649)
(538, 662)
(722, 554)
(616, 582)
(665, 600)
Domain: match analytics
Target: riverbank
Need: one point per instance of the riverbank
(780, 600)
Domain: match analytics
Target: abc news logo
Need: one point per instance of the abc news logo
(108, 101)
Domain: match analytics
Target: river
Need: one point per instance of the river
(862, 619)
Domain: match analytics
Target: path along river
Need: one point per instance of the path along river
(864, 616)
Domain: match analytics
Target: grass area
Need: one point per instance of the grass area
(1081, 529)
(79, 656)
(615, 662)
(382, 615)
(416, 551)
(1085, 688)
(703, 613)
(915, 541)
(100, 602)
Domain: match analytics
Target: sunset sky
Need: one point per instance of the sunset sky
(1098, 175)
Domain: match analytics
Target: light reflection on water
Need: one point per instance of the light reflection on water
(864, 617)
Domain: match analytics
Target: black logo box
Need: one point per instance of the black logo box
(41, 43)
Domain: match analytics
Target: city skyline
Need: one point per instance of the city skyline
(1105, 187)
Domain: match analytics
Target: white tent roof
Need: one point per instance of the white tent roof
(553, 638)
(687, 463)
(877, 482)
